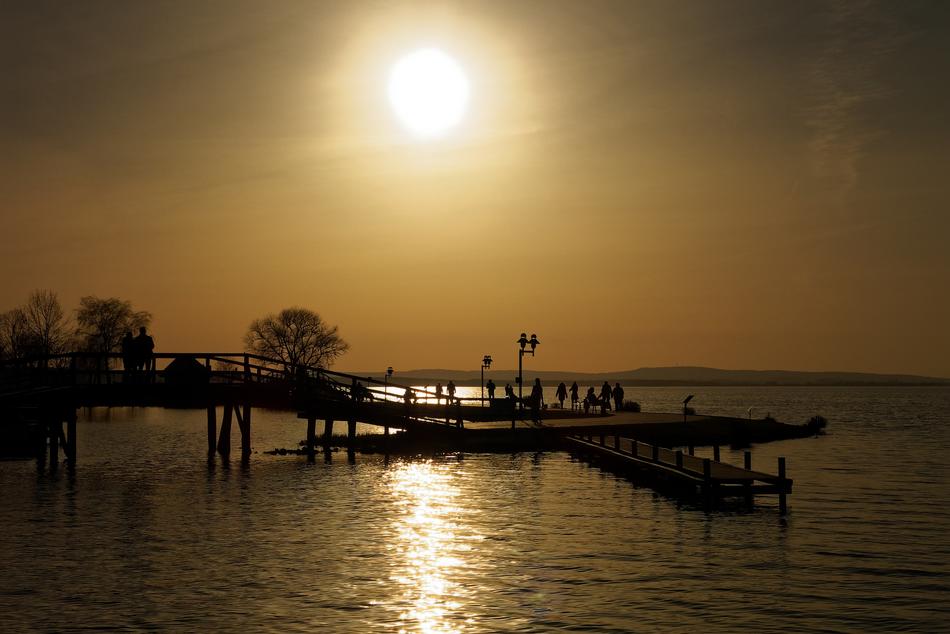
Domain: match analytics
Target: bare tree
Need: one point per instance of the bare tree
(296, 336)
(46, 322)
(15, 338)
(103, 322)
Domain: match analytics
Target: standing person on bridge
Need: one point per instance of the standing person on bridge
(605, 394)
(537, 400)
(438, 393)
(144, 345)
(451, 390)
(574, 397)
(561, 393)
(618, 397)
(491, 389)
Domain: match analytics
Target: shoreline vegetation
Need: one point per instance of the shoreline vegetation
(677, 376)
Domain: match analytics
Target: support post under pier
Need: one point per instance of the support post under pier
(246, 433)
(224, 438)
(327, 433)
(311, 438)
(212, 430)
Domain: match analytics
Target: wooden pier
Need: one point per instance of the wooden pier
(44, 394)
(708, 478)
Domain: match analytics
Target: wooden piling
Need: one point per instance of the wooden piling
(327, 432)
(747, 463)
(707, 484)
(246, 432)
(71, 437)
(224, 437)
(212, 430)
(782, 495)
(351, 434)
(54, 430)
(311, 438)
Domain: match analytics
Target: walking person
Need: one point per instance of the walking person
(561, 393)
(491, 389)
(618, 397)
(537, 400)
(574, 397)
(450, 388)
(438, 393)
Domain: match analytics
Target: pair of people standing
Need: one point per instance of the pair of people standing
(450, 388)
(138, 361)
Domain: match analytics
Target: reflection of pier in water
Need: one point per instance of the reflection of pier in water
(42, 395)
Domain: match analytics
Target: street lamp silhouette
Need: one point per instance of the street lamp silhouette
(524, 341)
(486, 363)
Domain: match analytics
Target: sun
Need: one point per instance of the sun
(428, 91)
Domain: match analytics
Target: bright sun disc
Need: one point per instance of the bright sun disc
(428, 91)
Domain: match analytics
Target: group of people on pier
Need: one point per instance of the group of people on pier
(138, 362)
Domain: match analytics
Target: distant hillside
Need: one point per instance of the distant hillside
(669, 376)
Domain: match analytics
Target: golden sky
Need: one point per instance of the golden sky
(755, 185)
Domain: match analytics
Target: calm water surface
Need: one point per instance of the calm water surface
(147, 535)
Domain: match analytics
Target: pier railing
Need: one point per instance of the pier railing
(713, 478)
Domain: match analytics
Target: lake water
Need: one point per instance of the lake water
(146, 534)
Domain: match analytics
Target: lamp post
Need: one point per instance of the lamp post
(524, 341)
(486, 363)
(389, 373)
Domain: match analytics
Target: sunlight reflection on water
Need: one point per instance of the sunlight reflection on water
(427, 545)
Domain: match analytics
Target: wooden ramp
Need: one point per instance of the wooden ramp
(708, 477)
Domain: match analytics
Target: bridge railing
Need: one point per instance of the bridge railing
(89, 368)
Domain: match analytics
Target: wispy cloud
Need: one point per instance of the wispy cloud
(845, 77)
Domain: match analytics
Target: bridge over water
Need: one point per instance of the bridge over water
(39, 397)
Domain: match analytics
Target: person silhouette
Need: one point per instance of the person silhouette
(618, 397)
(145, 361)
(605, 394)
(537, 399)
(408, 397)
(450, 388)
(490, 386)
(561, 393)
(590, 400)
(509, 392)
(438, 393)
(574, 397)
